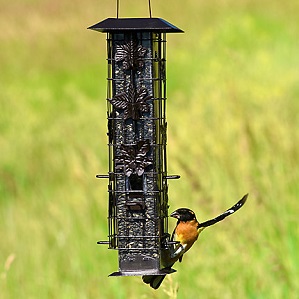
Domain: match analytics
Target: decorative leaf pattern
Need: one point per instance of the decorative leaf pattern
(133, 159)
(132, 102)
(131, 54)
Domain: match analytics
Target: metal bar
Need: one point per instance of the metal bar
(172, 177)
(103, 242)
(102, 176)
(117, 8)
(150, 8)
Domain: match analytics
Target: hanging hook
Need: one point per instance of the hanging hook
(149, 8)
(117, 8)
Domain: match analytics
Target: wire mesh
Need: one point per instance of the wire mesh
(136, 95)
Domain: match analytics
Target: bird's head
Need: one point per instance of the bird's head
(183, 214)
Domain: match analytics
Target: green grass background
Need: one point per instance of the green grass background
(233, 128)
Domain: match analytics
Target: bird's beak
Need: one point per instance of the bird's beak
(175, 214)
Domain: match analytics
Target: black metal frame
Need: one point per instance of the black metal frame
(136, 110)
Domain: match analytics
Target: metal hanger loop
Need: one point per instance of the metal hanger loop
(149, 8)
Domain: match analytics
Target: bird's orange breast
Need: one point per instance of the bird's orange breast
(187, 233)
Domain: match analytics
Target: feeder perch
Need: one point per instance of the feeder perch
(136, 112)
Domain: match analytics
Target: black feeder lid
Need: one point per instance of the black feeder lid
(135, 24)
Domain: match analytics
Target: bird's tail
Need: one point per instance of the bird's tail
(153, 280)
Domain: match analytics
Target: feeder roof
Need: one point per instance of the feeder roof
(135, 24)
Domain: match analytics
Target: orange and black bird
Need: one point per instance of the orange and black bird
(184, 235)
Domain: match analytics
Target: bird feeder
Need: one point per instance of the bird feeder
(136, 112)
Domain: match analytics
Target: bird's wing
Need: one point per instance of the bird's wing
(228, 212)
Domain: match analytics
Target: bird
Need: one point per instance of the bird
(184, 236)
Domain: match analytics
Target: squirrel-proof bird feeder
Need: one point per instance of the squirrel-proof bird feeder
(136, 112)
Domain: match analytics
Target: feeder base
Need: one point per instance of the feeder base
(141, 273)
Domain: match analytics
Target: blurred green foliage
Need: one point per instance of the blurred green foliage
(233, 128)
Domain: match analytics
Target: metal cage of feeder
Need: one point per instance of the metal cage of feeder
(136, 111)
